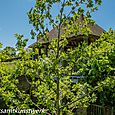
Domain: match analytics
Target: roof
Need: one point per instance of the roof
(96, 30)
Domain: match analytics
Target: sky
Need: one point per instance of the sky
(14, 19)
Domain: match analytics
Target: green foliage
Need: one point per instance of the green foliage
(32, 83)
(42, 18)
(97, 65)
(0, 45)
(45, 82)
(20, 42)
(7, 53)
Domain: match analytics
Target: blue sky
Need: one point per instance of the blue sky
(13, 19)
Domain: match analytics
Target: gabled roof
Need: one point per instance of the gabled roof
(96, 31)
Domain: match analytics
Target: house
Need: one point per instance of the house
(72, 40)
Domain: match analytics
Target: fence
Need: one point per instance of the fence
(100, 110)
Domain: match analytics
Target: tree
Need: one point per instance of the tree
(47, 79)
(37, 89)
(7, 53)
(41, 14)
(97, 65)
(21, 43)
(0, 45)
